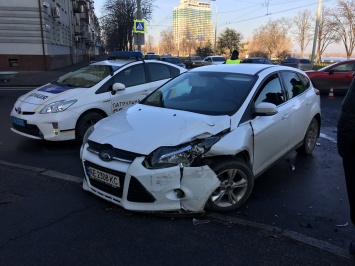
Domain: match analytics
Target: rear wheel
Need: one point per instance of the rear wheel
(236, 185)
(310, 139)
(86, 121)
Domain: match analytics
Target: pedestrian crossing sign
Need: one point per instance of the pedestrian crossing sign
(139, 26)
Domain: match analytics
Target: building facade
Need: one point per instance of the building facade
(192, 20)
(46, 34)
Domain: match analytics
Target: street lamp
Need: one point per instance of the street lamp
(215, 28)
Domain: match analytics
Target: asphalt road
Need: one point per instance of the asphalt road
(49, 221)
(301, 194)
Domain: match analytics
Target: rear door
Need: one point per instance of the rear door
(299, 104)
(160, 73)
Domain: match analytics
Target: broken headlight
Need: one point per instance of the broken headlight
(180, 155)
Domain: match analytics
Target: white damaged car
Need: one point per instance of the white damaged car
(201, 139)
(65, 108)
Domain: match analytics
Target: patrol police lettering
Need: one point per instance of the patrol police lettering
(120, 104)
(39, 96)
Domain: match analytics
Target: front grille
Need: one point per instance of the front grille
(138, 193)
(29, 129)
(102, 186)
(114, 152)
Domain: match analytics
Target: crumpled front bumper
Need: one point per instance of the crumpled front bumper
(152, 190)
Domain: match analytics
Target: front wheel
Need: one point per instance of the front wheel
(236, 185)
(310, 139)
(84, 123)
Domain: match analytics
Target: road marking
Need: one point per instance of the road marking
(324, 136)
(45, 172)
(17, 89)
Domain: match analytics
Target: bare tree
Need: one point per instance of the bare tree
(229, 39)
(273, 38)
(149, 43)
(117, 22)
(326, 33)
(344, 16)
(302, 26)
(167, 41)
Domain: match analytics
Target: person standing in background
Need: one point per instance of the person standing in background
(346, 148)
(234, 58)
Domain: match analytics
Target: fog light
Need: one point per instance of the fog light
(179, 193)
(55, 128)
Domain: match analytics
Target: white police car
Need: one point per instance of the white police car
(65, 108)
(202, 138)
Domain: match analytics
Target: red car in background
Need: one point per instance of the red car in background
(337, 76)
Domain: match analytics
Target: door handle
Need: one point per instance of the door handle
(285, 116)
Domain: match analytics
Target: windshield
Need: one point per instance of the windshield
(85, 77)
(210, 93)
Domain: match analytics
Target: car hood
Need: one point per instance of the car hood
(50, 93)
(142, 129)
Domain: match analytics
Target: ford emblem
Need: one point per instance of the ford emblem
(105, 156)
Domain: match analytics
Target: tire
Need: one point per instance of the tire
(83, 124)
(237, 182)
(310, 139)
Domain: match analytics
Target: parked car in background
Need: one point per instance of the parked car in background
(300, 63)
(257, 60)
(213, 60)
(337, 76)
(193, 61)
(151, 57)
(173, 60)
(199, 141)
(65, 108)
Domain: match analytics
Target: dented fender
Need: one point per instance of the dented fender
(197, 183)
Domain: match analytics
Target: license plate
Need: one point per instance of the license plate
(104, 177)
(18, 121)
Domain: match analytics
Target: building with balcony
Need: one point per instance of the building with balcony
(192, 20)
(46, 34)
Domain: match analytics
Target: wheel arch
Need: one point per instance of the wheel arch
(93, 110)
(319, 120)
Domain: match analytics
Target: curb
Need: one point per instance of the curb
(273, 231)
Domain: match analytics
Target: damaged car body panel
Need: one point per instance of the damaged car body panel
(170, 190)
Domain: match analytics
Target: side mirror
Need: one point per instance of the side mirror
(118, 87)
(331, 71)
(265, 109)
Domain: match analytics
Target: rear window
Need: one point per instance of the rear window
(219, 59)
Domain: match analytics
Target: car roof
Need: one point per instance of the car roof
(119, 58)
(250, 69)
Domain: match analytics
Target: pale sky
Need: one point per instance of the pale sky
(242, 15)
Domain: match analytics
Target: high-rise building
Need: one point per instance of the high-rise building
(46, 34)
(192, 20)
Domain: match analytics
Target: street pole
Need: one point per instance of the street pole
(215, 33)
(215, 29)
(139, 17)
(316, 31)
